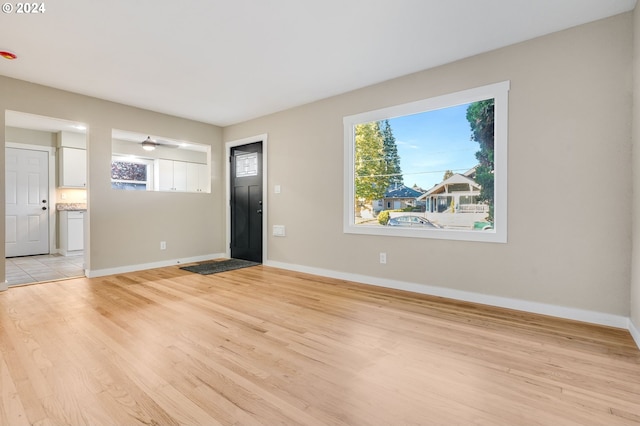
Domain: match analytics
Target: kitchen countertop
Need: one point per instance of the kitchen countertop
(71, 206)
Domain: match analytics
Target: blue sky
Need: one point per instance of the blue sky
(431, 142)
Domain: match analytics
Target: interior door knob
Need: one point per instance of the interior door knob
(44, 208)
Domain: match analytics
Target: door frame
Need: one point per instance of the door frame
(227, 178)
(52, 186)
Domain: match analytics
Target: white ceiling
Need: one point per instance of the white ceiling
(223, 61)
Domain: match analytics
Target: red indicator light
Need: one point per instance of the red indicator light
(8, 55)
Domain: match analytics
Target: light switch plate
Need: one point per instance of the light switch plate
(278, 231)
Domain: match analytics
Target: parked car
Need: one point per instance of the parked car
(410, 221)
(483, 225)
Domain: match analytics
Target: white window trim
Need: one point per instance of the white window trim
(497, 91)
(128, 159)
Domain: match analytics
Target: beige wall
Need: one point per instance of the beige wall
(31, 137)
(635, 265)
(127, 227)
(569, 176)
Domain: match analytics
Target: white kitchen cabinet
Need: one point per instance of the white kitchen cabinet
(171, 175)
(164, 175)
(174, 175)
(197, 177)
(72, 168)
(71, 232)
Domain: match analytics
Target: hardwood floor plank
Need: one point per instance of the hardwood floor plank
(11, 407)
(266, 346)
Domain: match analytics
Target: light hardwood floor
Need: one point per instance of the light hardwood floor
(267, 346)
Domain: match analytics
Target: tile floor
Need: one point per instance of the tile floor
(48, 267)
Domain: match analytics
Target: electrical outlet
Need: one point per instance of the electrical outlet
(163, 245)
(383, 258)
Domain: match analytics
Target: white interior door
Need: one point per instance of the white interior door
(27, 202)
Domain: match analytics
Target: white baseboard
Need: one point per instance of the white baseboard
(593, 317)
(4, 285)
(143, 266)
(69, 253)
(635, 333)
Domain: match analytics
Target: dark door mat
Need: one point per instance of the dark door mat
(208, 268)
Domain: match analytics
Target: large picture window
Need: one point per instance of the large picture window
(435, 168)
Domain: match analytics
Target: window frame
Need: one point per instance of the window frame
(499, 92)
(149, 163)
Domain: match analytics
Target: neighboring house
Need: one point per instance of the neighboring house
(453, 203)
(419, 189)
(397, 198)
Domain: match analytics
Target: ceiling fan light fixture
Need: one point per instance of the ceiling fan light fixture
(148, 144)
